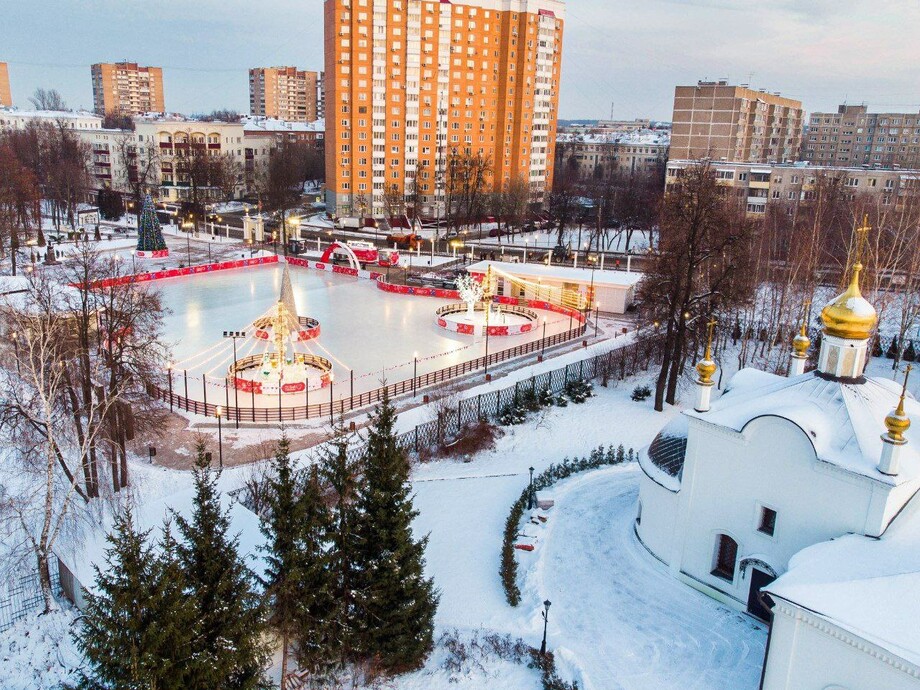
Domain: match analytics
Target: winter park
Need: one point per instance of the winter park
(429, 366)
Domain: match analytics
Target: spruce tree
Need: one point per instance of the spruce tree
(316, 634)
(228, 650)
(296, 579)
(396, 601)
(344, 480)
(138, 626)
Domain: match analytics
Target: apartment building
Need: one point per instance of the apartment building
(411, 82)
(602, 154)
(763, 184)
(6, 98)
(854, 136)
(606, 126)
(720, 121)
(285, 93)
(127, 88)
(13, 118)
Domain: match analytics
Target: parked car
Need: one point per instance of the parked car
(561, 252)
(495, 232)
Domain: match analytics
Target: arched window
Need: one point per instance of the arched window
(725, 557)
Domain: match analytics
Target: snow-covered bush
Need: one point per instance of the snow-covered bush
(641, 393)
(512, 414)
(579, 390)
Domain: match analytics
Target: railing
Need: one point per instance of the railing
(333, 407)
(24, 596)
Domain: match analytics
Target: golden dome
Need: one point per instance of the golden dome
(850, 315)
(801, 343)
(897, 422)
(706, 368)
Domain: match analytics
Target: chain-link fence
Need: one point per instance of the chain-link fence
(23, 596)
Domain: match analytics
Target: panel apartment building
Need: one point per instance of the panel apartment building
(734, 123)
(410, 81)
(127, 88)
(6, 99)
(854, 136)
(285, 93)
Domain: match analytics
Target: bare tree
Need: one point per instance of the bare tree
(207, 176)
(47, 99)
(20, 202)
(138, 169)
(466, 177)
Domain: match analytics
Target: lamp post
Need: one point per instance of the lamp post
(414, 372)
(543, 341)
(545, 614)
(236, 396)
(220, 437)
(169, 368)
(331, 414)
(597, 311)
(15, 336)
(187, 226)
(530, 491)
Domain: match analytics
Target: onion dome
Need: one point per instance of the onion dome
(801, 342)
(850, 315)
(706, 368)
(897, 422)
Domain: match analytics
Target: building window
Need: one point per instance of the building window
(767, 524)
(726, 555)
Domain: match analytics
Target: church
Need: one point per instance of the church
(789, 497)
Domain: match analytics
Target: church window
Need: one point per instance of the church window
(726, 555)
(767, 521)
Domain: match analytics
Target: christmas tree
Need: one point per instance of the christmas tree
(396, 601)
(149, 235)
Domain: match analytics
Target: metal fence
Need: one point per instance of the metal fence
(332, 407)
(615, 364)
(24, 596)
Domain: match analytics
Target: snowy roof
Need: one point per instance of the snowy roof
(663, 460)
(87, 549)
(641, 137)
(51, 114)
(253, 125)
(604, 278)
(843, 421)
(864, 585)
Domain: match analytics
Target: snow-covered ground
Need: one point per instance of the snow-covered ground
(618, 619)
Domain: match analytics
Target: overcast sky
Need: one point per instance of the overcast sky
(630, 53)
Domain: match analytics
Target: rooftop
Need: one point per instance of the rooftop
(254, 124)
(578, 275)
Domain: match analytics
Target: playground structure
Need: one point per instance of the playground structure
(360, 254)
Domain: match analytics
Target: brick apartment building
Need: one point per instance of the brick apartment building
(6, 99)
(285, 93)
(854, 136)
(127, 88)
(734, 123)
(410, 81)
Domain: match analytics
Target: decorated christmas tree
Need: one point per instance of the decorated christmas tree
(150, 240)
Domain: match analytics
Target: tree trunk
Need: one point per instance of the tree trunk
(44, 578)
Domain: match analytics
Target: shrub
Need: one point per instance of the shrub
(512, 414)
(641, 393)
(579, 390)
(599, 457)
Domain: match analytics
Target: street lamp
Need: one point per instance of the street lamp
(543, 342)
(331, 414)
(236, 394)
(545, 614)
(220, 437)
(169, 368)
(530, 491)
(414, 371)
(597, 311)
(187, 226)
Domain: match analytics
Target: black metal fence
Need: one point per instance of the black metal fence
(23, 597)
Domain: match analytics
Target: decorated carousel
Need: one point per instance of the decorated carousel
(283, 363)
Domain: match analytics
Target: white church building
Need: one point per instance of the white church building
(791, 498)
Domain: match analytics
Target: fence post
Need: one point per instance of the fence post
(581, 370)
(479, 407)
(565, 380)
(416, 438)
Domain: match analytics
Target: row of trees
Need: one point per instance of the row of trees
(756, 276)
(74, 363)
(343, 587)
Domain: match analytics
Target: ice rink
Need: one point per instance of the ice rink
(363, 329)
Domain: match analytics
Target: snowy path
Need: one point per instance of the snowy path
(617, 614)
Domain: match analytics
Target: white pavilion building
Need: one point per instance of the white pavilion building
(794, 498)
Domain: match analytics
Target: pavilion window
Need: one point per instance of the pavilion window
(726, 555)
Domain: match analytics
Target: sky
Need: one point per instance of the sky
(620, 57)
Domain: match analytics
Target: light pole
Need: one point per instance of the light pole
(15, 336)
(187, 226)
(220, 437)
(331, 414)
(545, 614)
(414, 372)
(530, 491)
(169, 370)
(597, 311)
(236, 396)
(543, 341)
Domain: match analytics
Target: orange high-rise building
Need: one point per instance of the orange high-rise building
(409, 83)
(5, 98)
(127, 88)
(284, 93)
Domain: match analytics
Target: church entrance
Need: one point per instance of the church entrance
(758, 602)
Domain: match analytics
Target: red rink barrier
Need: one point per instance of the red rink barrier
(187, 271)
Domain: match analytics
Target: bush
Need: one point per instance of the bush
(579, 390)
(512, 414)
(641, 393)
(599, 457)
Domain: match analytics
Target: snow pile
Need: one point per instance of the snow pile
(39, 652)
